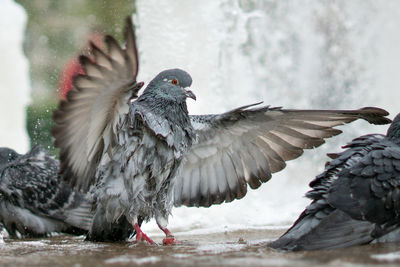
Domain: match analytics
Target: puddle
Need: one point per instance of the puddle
(226, 248)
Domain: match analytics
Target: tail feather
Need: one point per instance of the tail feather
(337, 230)
(103, 231)
(81, 216)
(303, 225)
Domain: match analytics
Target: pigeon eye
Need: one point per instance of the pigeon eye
(175, 82)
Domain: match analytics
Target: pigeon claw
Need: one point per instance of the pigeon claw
(170, 240)
(169, 237)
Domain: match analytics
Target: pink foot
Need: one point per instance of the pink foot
(140, 236)
(170, 240)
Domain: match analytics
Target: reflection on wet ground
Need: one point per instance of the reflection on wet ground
(224, 248)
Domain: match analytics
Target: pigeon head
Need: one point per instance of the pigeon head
(394, 129)
(7, 155)
(171, 84)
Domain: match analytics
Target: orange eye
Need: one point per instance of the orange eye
(175, 82)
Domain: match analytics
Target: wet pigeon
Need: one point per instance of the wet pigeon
(356, 200)
(139, 156)
(33, 199)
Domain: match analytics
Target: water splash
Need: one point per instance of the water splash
(308, 54)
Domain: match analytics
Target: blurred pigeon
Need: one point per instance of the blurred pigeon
(145, 154)
(33, 199)
(356, 200)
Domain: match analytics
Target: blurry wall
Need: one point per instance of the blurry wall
(56, 33)
(14, 77)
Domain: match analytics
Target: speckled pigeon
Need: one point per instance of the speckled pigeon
(356, 200)
(145, 154)
(34, 201)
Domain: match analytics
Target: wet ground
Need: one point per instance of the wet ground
(223, 248)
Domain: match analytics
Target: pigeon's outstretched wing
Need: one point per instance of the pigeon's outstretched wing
(246, 145)
(97, 100)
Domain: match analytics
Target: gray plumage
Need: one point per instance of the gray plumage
(144, 154)
(33, 199)
(149, 152)
(248, 144)
(356, 200)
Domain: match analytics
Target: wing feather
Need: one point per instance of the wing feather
(195, 186)
(246, 145)
(285, 150)
(212, 181)
(229, 171)
(223, 187)
(204, 189)
(366, 187)
(115, 51)
(239, 178)
(85, 124)
(298, 139)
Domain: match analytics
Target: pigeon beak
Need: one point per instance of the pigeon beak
(190, 94)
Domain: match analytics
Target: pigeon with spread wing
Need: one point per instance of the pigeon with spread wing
(356, 200)
(140, 155)
(34, 201)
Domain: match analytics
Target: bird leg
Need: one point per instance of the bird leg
(169, 239)
(140, 236)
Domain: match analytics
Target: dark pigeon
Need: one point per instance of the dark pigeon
(356, 200)
(142, 155)
(34, 201)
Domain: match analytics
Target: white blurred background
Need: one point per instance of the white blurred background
(14, 77)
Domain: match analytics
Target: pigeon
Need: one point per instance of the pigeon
(34, 201)
(140, 155)
(356, 200)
